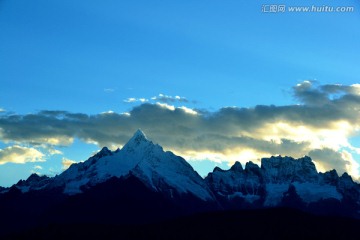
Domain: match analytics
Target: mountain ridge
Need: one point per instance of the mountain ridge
(165, 172)
(139, 157)
(116, 183)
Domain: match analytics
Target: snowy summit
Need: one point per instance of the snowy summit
(159, 170)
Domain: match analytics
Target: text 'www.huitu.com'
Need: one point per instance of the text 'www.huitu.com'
(278, 8)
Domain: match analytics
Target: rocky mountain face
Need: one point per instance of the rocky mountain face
(270, 184)
(34, 182)
(142, 181)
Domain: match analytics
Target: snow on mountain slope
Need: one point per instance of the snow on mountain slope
(171, 175)
(167, 173)
(161, 171)
(275, 176)
(227, 181)
(237, 182)
(312, 192)
(287, 169)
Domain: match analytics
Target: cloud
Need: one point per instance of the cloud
(307, 94)
(109, 90)
(108, 112)
(55, 152)
(48, 149)
(169, 99)
(161, 98)
(328, 158)
(36, 169)
(66, 163)
(342, 160)
(325, 95)
(133, 100)
(320, 126)
(2, 110)
(19, 154)
(188, 110)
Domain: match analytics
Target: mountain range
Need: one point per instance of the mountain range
(142, 184)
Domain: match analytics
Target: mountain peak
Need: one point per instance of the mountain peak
(237, 167)
(104, 150)
(138, 140)
(102, 153)
(138, 136)
(139, 132)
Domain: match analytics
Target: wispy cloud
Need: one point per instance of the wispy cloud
(109, 90)
(320, 125)
(66, 163)
(161, 98)
(19, 154)
(169, 99)
(133, 100)
(55, 152)
(108, 112)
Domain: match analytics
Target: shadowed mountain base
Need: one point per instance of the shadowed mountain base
(280, 223)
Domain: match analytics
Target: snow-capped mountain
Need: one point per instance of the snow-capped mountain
(159, 170)
(141, 183)
(277, 182)
(271, 182)
(237, 182)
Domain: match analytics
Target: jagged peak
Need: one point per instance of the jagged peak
(251, 166)
(346, 183)
(104, 149)
(345, 176)
(306, 160)
(330, 177)
(331, 173)
(103, 152)
(278, 159)
(33, 176)
(237, 167)
(139, 135)
(218, 169)
(137, 139)
(100, 154)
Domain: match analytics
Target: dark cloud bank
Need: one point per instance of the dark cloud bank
(263, 129)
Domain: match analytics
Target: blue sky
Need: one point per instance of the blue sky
(91, 57)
